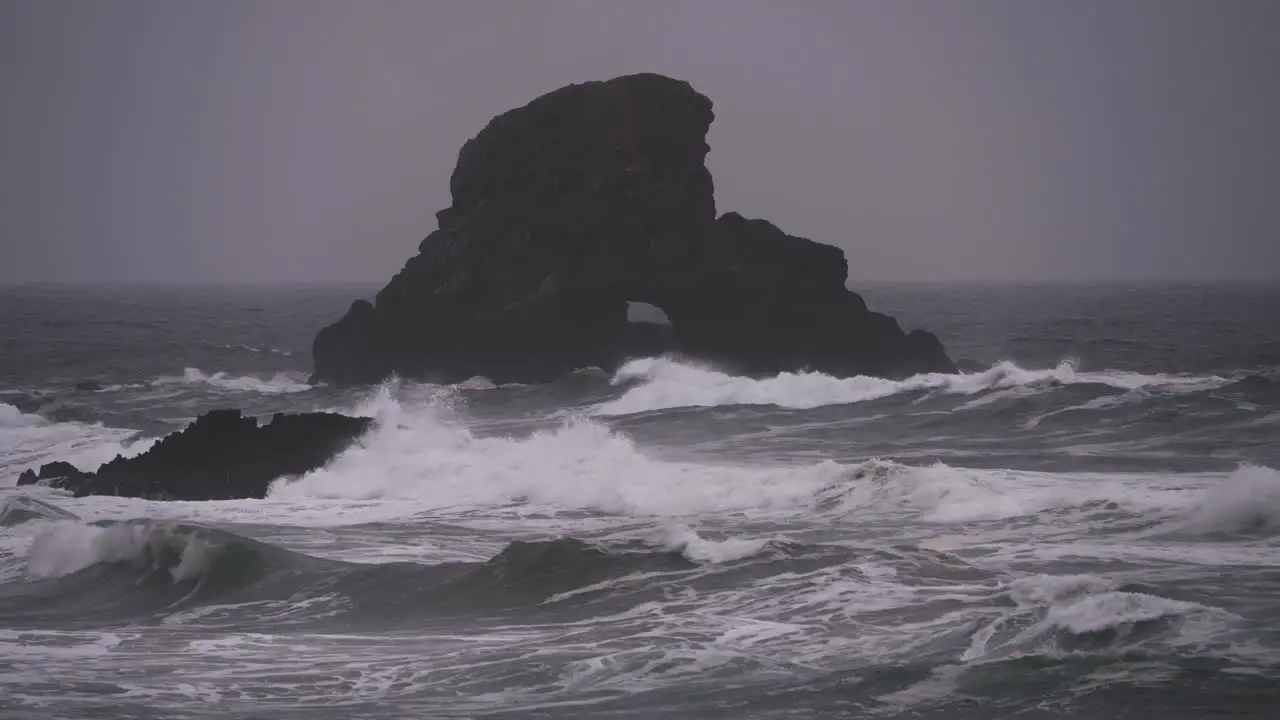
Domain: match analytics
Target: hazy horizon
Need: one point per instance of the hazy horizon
(311, 143)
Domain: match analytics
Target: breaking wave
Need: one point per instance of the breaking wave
(662, 383)
(434, 463)
(417, 453)
(68, 547)
(143, 568)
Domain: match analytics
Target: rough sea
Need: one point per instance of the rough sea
(1085, 525)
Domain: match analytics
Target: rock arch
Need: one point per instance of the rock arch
(588, 198)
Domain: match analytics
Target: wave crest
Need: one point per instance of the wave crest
(66, 547)
(685, 540)
(415, 454)
(1059, 614)
(422, 456)
(663, 383)
(284, 382)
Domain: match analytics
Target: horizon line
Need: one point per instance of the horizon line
(852, 283)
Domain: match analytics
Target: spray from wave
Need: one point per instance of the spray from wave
(1248, 500)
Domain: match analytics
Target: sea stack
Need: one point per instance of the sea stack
(589, 197)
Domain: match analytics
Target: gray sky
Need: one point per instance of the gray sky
(309, 140)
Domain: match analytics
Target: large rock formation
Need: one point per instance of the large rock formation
(221, 456)
(569, 207)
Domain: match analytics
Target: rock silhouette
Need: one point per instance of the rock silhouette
(588, 197)
(221, 456)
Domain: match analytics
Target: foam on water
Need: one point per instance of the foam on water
(661, 383)
(28, 440)
(1073, 613)
(286, 382)
(1112, 610)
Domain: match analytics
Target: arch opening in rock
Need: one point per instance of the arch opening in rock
(649, 331)
(643, 312)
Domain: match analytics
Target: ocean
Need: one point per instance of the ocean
(1085, 524)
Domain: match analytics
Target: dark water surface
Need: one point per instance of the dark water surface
(1086, 525)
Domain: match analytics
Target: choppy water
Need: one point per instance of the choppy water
(1089, 527)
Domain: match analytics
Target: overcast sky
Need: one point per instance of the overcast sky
(309, 140)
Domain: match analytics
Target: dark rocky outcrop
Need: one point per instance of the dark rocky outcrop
(586, 198)
(223, 455)
(57, 474)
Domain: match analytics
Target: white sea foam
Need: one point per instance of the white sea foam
(1115, 610)
(1099, 403)
(666, 383)
(27, 441)
(285, 382)
(661, 383)
(940, 493)
(1087, 604)
(479, 382)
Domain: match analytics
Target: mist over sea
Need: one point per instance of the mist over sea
(1084, 524)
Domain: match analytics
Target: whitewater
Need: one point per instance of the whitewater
(1084, 525)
